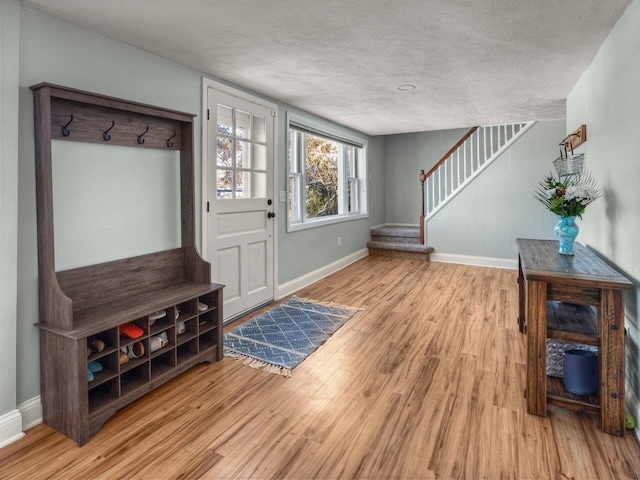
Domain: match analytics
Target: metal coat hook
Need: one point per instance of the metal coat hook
(105, 135)
(169, 142)
(140, 139)
(65, 131)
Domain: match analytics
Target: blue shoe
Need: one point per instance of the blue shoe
(94, 366)
(89, 376)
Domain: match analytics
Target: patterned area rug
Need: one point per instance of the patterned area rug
(280, 338)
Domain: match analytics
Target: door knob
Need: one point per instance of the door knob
(271, 215)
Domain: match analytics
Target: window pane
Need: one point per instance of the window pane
(259, 181)
(352, 192)
(224, 148)
(243, 184)
(225, 120)
(321, 166)
(291, 202)
(259, 129)
(351, 171)
(259, 157)
(224, 183)
(243, 155)
(243, 124)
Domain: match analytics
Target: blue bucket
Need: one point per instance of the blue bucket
(580, 372)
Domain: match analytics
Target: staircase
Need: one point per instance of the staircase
(464, 162)
(474, 152)
(403, 242)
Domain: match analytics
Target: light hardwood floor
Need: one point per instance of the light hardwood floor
(426, 381)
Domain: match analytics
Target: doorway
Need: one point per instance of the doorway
(238, 189)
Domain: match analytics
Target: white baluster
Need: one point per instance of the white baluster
(464, 165)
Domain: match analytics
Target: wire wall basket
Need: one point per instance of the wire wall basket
(571, 164)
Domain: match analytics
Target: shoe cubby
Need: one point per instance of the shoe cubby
(164, 323)
(134, 378)
(207, 321)
(187, 310)
(104, 394)
(102, 344)
(162, 342)
(109, 370)
(207, 340)
(187, 351)
(163, 363)
(190, 332)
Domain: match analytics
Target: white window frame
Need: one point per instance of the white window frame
(343, 137)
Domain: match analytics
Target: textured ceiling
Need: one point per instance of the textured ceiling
(473, 62)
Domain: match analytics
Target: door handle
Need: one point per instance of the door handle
(271, 215)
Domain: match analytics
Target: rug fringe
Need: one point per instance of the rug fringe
(259, 364)
(326, 304)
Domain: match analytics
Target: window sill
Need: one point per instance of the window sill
(294, 227)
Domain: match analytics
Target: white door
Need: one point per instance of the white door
(241, 213)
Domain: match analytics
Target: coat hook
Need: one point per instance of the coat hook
(105, 135)
(169, 142)
(65, 131)
(140, 139)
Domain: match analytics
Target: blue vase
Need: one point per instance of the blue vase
(566, 231)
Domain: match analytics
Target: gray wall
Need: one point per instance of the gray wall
(9, 58)
(485, 218)
(405, 155)
(57, 52)
(607, 100)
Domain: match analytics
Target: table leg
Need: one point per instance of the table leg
(611, 361)
(536, 347)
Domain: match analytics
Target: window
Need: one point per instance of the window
(327, 175)
(241, 153)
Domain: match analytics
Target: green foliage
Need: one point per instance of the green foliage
(570, 197)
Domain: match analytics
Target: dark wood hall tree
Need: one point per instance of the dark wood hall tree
(91, 302)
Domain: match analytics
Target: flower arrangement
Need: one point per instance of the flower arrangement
(570, 197)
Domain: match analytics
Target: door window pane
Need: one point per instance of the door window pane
(259, 129)
(243, 124)
(243, 184)
(224, 183)
(259, 181)
(259, 157)
(243, 155)
(225, 120)
(224, 149)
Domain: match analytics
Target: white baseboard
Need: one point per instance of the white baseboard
(633, 407)
(505, 263)
(312, 277)
(373, 227)
(10, 427)
(31, 411)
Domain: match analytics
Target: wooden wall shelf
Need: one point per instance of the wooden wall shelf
(575, 139)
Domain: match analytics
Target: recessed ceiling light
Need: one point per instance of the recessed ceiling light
(406, 87)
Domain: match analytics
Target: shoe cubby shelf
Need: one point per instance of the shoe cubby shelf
(83, 387)
(118, 378)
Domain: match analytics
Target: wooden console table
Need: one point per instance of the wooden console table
(548, 282)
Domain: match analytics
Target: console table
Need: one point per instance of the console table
(548, 282)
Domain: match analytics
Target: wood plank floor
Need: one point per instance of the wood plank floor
(426, 381)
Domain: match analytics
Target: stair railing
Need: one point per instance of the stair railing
(462, 163)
